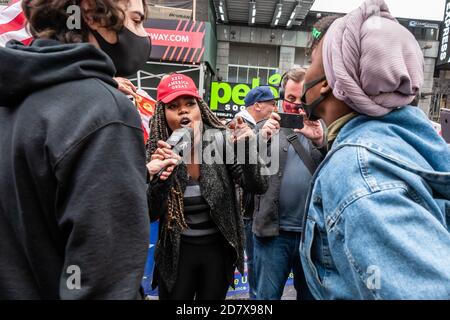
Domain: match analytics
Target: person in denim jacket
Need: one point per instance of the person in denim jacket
(377, 223)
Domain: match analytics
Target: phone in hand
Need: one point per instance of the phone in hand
(291, 120)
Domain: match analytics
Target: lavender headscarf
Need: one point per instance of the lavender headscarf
(372, 62)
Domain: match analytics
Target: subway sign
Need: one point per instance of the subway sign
(444, 49)
(176, 40)
(227, 98)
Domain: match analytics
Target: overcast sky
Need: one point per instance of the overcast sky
(412, 9)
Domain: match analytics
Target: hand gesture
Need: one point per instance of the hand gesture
(241, 130)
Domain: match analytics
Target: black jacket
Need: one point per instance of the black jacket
(245, 198)
(72, 176)
(217, 183)
(266, 220)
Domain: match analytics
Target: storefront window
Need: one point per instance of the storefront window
(246, 74)
(248, 62)
(431, 35)
(424, 34)
(242, 75)
(263, 76)
(252, 73)
(232, 74)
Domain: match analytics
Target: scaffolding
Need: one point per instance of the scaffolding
(188, 68)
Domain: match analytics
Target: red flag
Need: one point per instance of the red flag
(13, 24)
(146, 107)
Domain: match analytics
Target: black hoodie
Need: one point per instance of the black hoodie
(72, 176)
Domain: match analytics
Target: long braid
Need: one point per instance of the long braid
(175, 205)
(160, 131)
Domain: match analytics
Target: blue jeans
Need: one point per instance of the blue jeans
(274, 258)
(249, 252)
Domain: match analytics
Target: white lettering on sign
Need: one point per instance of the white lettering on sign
(445, 34)
(176, 38)
(169, 37)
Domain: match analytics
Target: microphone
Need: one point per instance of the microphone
(181, 142)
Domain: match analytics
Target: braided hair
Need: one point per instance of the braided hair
(159, 130)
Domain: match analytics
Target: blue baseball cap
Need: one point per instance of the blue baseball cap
(259, 94)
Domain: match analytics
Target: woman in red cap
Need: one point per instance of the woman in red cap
(201, 231)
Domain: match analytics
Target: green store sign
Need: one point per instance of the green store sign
(227, 99)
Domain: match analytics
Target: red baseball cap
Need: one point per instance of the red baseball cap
(176, 85)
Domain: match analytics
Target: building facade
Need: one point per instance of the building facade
(248, 42)
(246, 51)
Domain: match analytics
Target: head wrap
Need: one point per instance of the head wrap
(372, 62)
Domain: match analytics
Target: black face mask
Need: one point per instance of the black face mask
(129, 54)
(310, 108)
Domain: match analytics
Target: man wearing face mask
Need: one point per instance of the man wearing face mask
(377, 222)
(277, 219)
(73, 210)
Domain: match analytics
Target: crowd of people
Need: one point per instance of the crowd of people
(357, 208)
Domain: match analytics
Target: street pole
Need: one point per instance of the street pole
(194, 9)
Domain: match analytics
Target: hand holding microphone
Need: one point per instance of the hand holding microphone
(169, 154)
(163, 161)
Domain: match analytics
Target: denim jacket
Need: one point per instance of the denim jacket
(378, 214)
